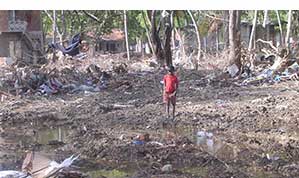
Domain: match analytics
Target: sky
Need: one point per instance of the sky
(149, 4)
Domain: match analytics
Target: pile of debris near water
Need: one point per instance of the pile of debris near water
(67, 75)
(38, 166)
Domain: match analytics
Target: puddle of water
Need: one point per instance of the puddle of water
(209, 142)
(40, 136)
(59, 134)
(196, 171)
(15, 142)
(115, 173)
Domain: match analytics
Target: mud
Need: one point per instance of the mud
(255, 128)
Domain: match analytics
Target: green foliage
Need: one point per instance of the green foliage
(78, 21)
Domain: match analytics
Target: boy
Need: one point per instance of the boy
(170, 89)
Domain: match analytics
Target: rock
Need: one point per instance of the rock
(167, 168)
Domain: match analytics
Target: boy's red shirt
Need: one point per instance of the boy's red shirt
(170, 81)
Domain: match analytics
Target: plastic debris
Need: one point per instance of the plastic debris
(233, 70)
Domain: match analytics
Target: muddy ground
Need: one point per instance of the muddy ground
(255, 128)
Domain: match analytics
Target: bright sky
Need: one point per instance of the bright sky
(149, 4)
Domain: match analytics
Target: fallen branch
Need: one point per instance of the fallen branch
(92, 16)
(269, 43)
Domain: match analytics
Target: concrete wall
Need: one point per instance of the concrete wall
(5, 39)
(3, 21)
(33, 19)
(12, 44)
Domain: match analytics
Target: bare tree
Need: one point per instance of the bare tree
(54, 26)
(252, 38)
(287, 39)
(280, 27)
(64, 30)
(126, 34)
(252, 34)
(197, 36)
(146, 22)
(226, 29)
(265, 18)
(158, 51)
(234, 37)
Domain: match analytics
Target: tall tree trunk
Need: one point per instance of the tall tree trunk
(54, 27)
(238, 38)
(280, 27)
(126, 34)
(181, 44)
(54, 34)
(234, 38)
(167, 45)
(147, 20)
(217, 39)
(251, 44)
(226, 29)
(64, 30)
(265, 18)
(287, 39)
(252, 34)
(173, 32)
(158, 51)
(198, 38)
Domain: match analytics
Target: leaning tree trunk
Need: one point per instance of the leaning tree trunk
(198, 38)
(234, 38)
(287, 39)
(126, 35)
(146, 20)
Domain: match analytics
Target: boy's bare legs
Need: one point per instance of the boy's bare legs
(167, 108)
(173, 111)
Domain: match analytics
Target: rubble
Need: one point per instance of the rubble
(37, 166)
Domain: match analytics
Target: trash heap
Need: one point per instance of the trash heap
(36, 165)
(50, 81)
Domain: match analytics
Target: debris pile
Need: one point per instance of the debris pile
(38, 166)
(47, 81)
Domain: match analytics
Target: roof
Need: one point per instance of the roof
(115, 35)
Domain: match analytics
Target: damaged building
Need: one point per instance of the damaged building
(113, 42)
(21, 37)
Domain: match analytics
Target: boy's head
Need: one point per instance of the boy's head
(171, 69)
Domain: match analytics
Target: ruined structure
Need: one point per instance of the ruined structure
(111, 43)
(21, 37)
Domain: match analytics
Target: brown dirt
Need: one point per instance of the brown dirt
(248, 122)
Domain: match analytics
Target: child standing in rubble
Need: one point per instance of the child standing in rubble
(170, 89)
